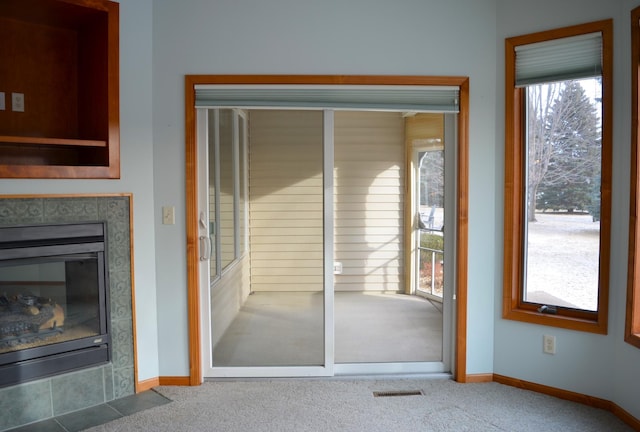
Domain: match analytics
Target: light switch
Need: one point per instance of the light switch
(168, 215)
(3, 105)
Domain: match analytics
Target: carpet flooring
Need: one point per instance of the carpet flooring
(329, 405)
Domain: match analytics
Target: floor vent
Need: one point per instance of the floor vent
(398, 393)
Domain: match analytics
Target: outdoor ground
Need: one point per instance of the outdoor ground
(563, 260)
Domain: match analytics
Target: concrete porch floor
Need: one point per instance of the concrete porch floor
(286, 329)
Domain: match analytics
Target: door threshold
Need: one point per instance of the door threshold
(396, 369)
(421, 376)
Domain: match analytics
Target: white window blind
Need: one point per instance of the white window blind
(405, 98)
(559, 59)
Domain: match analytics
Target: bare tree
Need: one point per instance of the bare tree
(432, 178)
(539, 99)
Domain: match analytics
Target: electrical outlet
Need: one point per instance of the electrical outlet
(549, 344)
(17, 102)
(169, 215)
(337, 267)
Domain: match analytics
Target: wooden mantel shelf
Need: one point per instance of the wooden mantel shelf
(51, 141)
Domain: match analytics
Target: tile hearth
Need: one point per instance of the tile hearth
(56, 396)
(98, 415)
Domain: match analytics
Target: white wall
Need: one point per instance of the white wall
(228, 295)
(136, 149)
(601, 366)
(408, 37)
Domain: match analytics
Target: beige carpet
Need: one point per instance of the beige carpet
(329, 405)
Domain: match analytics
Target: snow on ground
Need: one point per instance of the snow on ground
(562, 265)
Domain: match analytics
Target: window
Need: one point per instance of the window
(632, 327)
(227, 172)
(558, 177)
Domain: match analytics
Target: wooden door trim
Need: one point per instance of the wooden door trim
(193, 294)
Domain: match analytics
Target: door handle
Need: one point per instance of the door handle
(205, 241)
(205, 248)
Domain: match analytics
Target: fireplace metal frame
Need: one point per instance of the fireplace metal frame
(49, 240)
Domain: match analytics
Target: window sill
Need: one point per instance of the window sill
(561, 321)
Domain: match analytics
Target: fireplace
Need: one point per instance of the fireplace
(54, 297)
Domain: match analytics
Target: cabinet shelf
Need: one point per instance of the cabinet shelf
(62, 56)
(51, 141)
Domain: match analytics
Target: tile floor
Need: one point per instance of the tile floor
(97, 415)
(287, 328)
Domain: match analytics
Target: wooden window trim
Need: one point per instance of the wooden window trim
(632, 323)
(513, 307)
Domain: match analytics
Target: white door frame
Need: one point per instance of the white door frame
(208, 369)
(329, 368)
(444, 367)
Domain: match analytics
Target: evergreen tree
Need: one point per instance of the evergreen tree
(594, 206)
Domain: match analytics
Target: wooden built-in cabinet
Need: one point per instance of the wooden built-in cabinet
(62, 57)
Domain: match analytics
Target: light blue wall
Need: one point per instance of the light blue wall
(427, 37)
(601, 366)
(137, 171)
(162, 40)
(408, 37)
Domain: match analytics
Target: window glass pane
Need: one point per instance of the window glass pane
(242, 172)
(282, 322)
(227, 184)
(431, 233)
(562, 241)
(211, 144)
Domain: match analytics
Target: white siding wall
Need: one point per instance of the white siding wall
(227, 295)
(369, 183)
(285, 196)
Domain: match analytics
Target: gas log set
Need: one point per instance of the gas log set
(26, 318)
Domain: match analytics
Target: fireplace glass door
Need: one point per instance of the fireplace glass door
(54, 300)
(48, 300)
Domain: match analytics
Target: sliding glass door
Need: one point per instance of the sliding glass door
(263, 213)
(304, 269)
(384, 320)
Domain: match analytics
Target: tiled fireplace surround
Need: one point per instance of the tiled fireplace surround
(61, 394)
